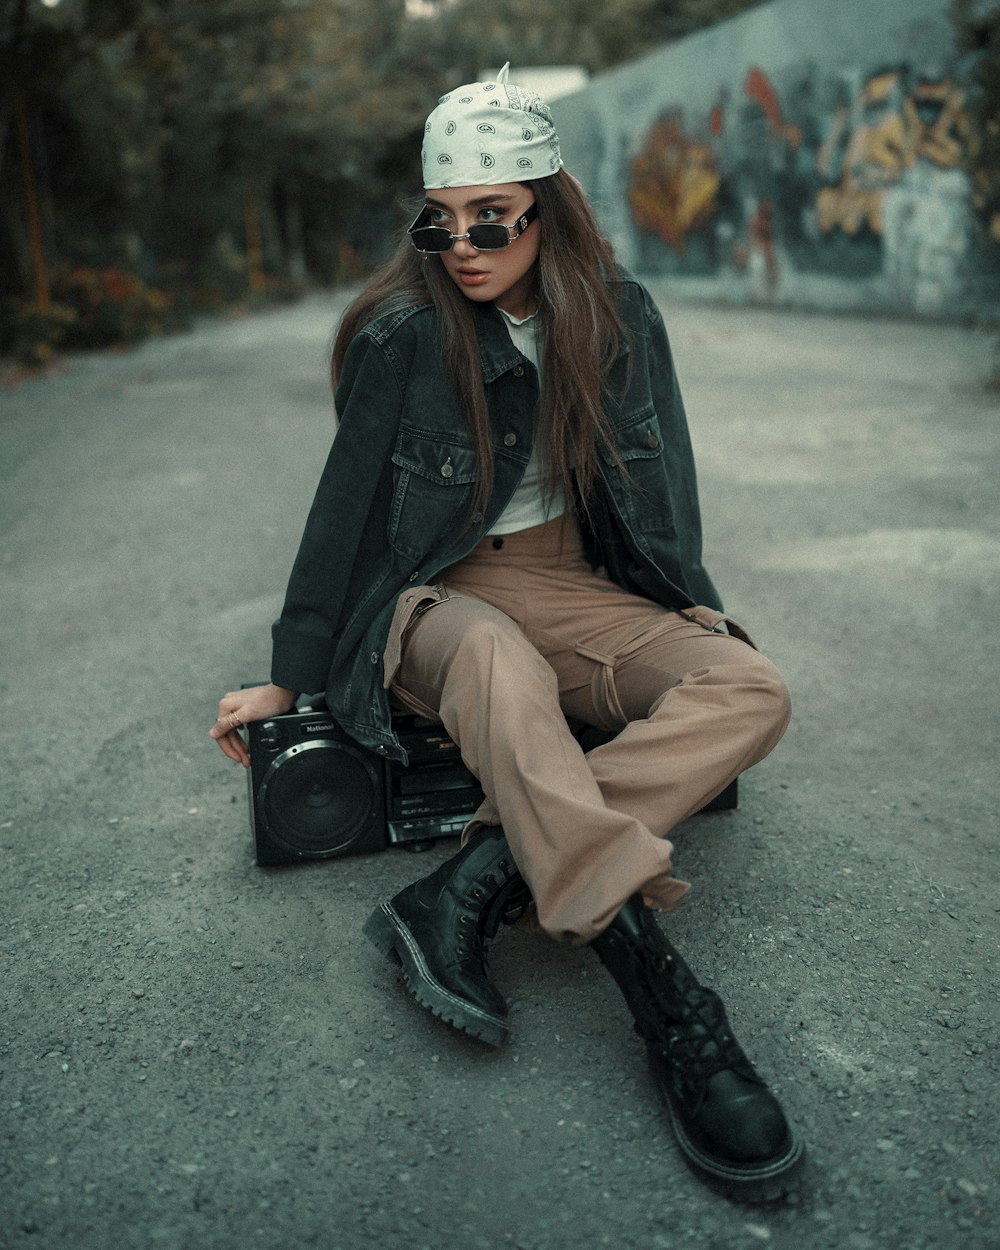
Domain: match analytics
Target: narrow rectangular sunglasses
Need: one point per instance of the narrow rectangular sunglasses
(486, 237)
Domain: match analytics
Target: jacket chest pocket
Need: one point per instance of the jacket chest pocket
(642, 490)
(431, 486)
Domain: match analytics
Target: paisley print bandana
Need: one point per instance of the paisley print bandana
(486, 133)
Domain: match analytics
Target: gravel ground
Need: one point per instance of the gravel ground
(196, 1052)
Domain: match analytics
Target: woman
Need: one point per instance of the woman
(506, 534)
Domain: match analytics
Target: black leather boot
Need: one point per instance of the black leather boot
(729, 1125)
(437, 930)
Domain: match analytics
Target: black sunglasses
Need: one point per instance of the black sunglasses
(488, 237)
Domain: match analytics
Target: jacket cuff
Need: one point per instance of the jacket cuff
(299, 661)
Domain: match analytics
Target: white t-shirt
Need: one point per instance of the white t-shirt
(529, 505)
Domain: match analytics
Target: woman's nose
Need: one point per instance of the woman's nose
(464, 249)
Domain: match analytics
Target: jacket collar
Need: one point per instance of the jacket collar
(496, 351)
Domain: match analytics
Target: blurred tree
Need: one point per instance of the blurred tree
(465, 35)
(977, 25)
(673, 19)
(230, 140)
(978, 29)
(461, 36)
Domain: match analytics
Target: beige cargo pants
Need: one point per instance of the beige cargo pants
(521, 634)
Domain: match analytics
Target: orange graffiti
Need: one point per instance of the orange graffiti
(716, 119)
(673, 184)
(888, 132)
(758, 87)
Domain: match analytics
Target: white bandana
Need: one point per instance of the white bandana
(486, 133)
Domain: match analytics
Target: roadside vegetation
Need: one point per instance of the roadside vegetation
(165, 158)
(161, 158)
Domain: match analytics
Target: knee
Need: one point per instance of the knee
(768, 694)
(489, 636)
(499, 647)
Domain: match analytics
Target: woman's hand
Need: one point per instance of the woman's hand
(239, 707)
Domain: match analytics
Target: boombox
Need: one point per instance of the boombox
(315, 793)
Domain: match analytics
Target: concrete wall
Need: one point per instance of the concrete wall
(805, 153)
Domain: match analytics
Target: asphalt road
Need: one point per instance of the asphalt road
(198, 1053)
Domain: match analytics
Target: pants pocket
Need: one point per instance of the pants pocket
(603, 692)
(410, 606)
(710, 619)
(609, 712)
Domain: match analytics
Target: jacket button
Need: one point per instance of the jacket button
(509, 440)
(413, 577)
(447, 470)
(652, 442)
(374, 657)
(519, 371)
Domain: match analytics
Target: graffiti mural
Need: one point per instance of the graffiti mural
(675, 185)
(853, 175)
(866, 151)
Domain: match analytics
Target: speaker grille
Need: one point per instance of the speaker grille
(321, 798)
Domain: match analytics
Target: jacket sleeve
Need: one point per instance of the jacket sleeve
(676, 440)
(669, 402)
(368, 406)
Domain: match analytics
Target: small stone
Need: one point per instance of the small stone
(237, 965)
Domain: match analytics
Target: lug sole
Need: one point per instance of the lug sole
(755, 1184)
(388, 933)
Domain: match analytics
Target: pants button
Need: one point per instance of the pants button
(497, 544)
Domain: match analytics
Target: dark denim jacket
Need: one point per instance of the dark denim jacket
(392, 507)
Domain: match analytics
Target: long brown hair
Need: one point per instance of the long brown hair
(581, 325)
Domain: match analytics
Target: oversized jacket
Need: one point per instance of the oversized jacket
(393, 505)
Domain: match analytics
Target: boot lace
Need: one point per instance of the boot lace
(683, 1018)
(696, 1035)
(499, 895)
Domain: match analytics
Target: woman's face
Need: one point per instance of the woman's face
(504, 277)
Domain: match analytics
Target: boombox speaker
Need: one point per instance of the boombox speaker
(315, 793)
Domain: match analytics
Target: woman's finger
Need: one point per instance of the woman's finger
(227, 723)
(233, 745)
